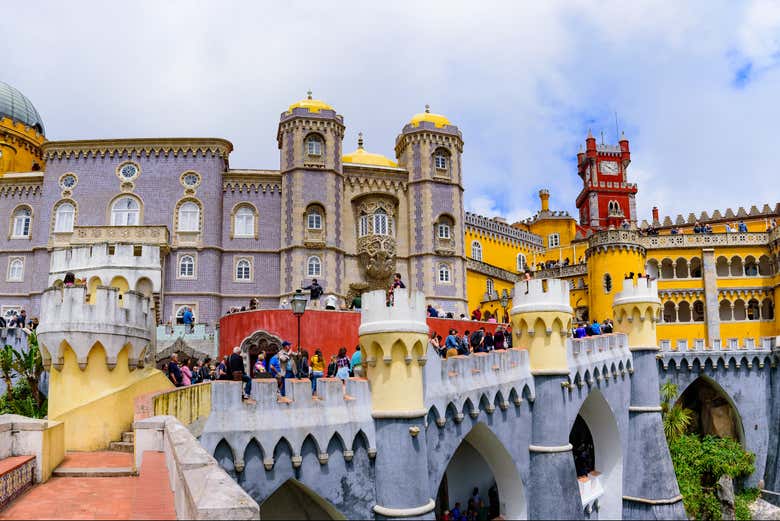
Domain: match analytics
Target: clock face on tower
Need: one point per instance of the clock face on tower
(609, 167)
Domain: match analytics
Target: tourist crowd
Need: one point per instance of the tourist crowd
(478, 341)
(477, 509)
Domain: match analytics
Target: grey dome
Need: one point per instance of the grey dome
(15, 105)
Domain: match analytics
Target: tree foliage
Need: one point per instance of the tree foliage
(21, 371)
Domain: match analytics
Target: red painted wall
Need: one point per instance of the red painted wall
(327, 330)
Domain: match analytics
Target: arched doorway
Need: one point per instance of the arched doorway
(294, 500)
(714, 412)
(260, 342)
(598, 456)
(483, 462)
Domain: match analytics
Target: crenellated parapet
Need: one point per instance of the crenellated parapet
(636, 310)
(394, 340)
(541, 320)
(599, 358)
(114, 323)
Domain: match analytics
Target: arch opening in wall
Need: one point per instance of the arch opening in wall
(724, 310)
(294, 500)
(695, 267)
(751, 266)
(714, 412)
(722, 267)
(767, 309)
(667, 269)
(753, 309)
(597, 452)
(482, 461)
(698, 311)
(740, 311)
(684, 312)
(736, 269)
(681, 268)
(652, 269)
(764, 266)
(670, 314)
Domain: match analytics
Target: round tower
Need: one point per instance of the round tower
(310, 138)
(21, 133)
(612, 255)
(541, 319)
(429, 147)
(394, 340)
(636, 310)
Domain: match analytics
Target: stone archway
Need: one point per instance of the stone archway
(600, 453)
(487, 462)
(294, 500)
(259, 342)
(714, 411)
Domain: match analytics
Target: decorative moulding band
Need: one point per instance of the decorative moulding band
(412, 413)
(405, 512)
(550, 372)
(641, 408)
(550, 448)
(634, 349)
(669, 501)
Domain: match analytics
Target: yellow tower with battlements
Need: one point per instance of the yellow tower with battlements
(541, 320)
(636, 309)
(394, 340)
(95, 354)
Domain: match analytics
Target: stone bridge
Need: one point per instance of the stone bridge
(560, 428)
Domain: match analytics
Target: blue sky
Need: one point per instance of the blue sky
(694, 84)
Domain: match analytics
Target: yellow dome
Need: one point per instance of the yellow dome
(314, 105)
(361, 157)
(436, 119)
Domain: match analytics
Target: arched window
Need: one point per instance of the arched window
(243, 270)
(444, 230)
(521, 262)
(63, 219)
(490, 287)
(476, 251)
(607, 283)
(314, 145)
(244, 222)
(363, 225)
(441, 159)
(16, 270)
(187, 266)
(444, 274)
(189, 217)
(753, 310)
(698, 311)
(381, 222)
(314, 267)
(21, 224)
(125, 212)
(314, 219)
(553, 240)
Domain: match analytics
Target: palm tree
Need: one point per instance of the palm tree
(29, 364)
(676, 418)
(6, 365)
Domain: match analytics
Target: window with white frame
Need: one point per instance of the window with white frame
(180, 308)
(445, 274)
(243, 270)
(189, 217)
(125, 212)
(445, 231)
(521, 262)
(490, 286)
(314, 267)
(187, 267)
(314, 220)
(314, 145)
(16, 270)
(244, 222)
(63, 218)
(441, 159)
(476, 251)
(363, 225)
(21, 223)
(553, 240)
(381, 222)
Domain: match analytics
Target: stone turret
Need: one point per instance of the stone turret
(95, 353)
(541, 319)
(636, 309)
(394, 340)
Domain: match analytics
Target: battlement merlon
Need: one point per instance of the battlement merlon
(541, 295)
(638, 290)
(110, 321)
(406, 315)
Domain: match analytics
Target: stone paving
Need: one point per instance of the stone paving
(147, 496)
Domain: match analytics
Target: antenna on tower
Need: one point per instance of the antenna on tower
(617, 129)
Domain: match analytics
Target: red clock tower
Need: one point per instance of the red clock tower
(607, 198)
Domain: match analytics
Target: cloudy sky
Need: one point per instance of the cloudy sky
(694, 84)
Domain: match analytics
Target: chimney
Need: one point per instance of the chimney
(655, 214)
(544, 196)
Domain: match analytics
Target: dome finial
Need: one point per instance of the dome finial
(427, 108)
(308, 94)
(360, 140)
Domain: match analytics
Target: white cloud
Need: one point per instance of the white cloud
(523, 81)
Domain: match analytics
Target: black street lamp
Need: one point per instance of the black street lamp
(504, 301)
(298, 305)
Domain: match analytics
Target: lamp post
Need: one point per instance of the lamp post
(298, 305)
(504, 301)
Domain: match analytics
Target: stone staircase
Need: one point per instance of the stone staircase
(102, 464)
(126, 445)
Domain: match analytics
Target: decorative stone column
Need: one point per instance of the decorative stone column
(649, 490)
(394, 340)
